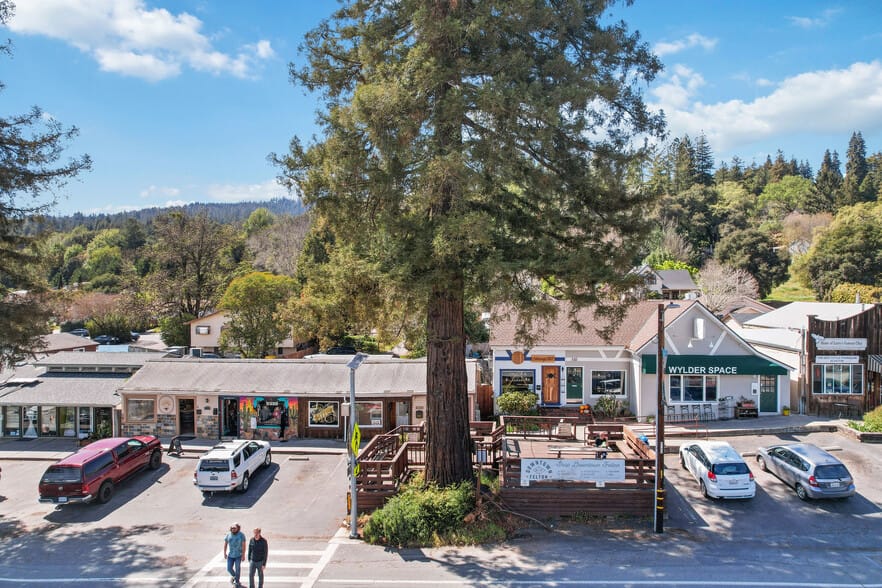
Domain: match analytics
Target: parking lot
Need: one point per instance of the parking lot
(159, 530)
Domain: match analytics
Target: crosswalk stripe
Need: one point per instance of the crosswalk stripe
(225, 579)
(273, 565)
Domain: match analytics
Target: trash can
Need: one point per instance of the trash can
(726, 408)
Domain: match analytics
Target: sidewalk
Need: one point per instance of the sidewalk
(49, 449)
(58, 448)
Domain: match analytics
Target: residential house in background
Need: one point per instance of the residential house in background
(205, 338)
(669, 284)
(57, 342)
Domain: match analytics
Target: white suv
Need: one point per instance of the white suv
(230, 465)
(720, 471)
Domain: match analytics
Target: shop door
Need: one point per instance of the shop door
(550, 384)
(768, 400)
(186, 416)
(229, 417)
(402, 413)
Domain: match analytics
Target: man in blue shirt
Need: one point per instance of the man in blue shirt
(234, 552)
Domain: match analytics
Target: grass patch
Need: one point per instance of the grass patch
(791, 291)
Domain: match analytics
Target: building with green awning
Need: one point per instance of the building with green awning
(729, 365)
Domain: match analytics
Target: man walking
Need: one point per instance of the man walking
(234, 552)
(258, 551)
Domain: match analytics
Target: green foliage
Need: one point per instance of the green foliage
(872, 422)
(790, 194)
(111, 323)
(517, 402)
(849, 251)
(757, 253)
(421, 516)
(176, 330)
(791, 291)
(609, 406)
(253, 302)
(847, 292)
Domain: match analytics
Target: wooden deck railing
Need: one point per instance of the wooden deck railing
(537, 426)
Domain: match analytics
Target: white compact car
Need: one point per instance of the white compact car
(229, 465)
(719, 469)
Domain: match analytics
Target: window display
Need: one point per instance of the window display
(324, 413)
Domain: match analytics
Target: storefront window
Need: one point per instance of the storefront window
(48, 421)
(518, 380)
(140, 409)
(574, 385)
(85, 420)
(12, 421)
(608, 382)
(67, 421)
(838, 379)
(370, 414)
(30, 422)
(324, 413)
(692, 388)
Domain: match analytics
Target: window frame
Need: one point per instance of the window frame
(623, 386)
(855, 377)
(527, 373)
(681, 387)
(130, 401)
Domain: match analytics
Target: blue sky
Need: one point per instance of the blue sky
(182, 100)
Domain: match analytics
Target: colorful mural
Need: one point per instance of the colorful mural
(260, 417)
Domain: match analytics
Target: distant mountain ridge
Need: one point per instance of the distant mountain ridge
(222, 212)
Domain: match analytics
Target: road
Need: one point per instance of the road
(158, 531)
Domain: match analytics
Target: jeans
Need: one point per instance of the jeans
(234, 566)
(255, 566)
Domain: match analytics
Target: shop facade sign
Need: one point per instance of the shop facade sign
(710, 365)
(837, 359)
(839, 344)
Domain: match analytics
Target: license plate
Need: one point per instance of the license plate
(834, 484)
(733, 482)
(62, 499)
(213, 478)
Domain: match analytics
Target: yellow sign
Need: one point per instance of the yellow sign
(542, 358)
(356, 439)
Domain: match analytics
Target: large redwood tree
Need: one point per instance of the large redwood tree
(477, 150)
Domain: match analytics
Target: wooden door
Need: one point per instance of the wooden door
(550, 384)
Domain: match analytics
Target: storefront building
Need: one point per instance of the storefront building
(706, 363)
(66, 394)
(249, 398)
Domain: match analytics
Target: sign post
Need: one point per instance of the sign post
(355, 442)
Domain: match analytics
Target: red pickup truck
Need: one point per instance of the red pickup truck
(92, 472)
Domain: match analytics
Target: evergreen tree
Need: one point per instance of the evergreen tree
(478, 146)
(31, 146)
(827, 182)
(855, 172)
(704, 161)
(685, 172)
(872, 184)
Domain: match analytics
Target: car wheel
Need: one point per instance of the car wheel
(105, 492)
(155, 460)
(762, 464)
(801, 492)
(268, 459)
(246, 481)
(703, 487)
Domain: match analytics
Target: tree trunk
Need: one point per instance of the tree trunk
(448, 451)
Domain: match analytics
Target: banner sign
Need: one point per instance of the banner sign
(840, 344)
(576, 470)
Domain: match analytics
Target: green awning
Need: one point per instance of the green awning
(721, 365)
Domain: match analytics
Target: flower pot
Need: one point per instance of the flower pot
(785, 411)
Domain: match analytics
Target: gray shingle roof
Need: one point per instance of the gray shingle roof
(296, 377)
(57, 389)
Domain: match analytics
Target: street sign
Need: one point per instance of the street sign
(356, 438)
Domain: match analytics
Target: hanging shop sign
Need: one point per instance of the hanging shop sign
(837, 359)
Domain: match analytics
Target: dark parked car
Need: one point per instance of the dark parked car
(93, 472)
(106, 340)
(80, 333)
(341, 350)
(134, 335)
(808, 469)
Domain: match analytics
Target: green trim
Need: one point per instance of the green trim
(723, 365)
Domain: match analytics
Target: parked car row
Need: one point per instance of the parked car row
(93, 472)
(809, 470)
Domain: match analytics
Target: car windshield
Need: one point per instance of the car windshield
(59, 475)
(827, 472)
(730, 469)
(214, 465)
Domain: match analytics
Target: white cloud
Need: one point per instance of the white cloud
(830, 101)
(126, 37)
(163, 191)
(806, 22)
(693, 40)
(242, 192)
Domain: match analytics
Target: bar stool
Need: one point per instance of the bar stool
(671, 413)
(684, 412)
(707, 413)
(696, 412)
